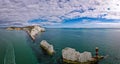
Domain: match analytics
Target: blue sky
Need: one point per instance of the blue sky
(81, 22)
(61, 13)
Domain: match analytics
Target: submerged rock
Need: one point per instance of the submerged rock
(70, 55)
(47, 47)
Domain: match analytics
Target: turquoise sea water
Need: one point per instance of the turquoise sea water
(17, 46)
(14, 48)
(108, 41)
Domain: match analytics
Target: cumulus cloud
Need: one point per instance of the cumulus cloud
(49, 12)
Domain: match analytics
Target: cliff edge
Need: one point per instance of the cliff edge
(31, 30)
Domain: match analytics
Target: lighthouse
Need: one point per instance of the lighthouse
(96, 49)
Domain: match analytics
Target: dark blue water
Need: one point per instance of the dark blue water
(108, 41)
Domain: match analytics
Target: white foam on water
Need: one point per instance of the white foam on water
(10, 55)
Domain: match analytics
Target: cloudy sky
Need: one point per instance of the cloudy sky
(61, 13)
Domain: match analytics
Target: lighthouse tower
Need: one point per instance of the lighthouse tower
(96, 49)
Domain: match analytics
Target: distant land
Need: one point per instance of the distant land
(31, 30)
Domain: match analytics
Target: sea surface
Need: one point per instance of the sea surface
(14, 48)
(19, 46)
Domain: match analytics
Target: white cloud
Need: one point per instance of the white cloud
(24, 10)
(98, 25)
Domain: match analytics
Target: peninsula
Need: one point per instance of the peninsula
(31, 30)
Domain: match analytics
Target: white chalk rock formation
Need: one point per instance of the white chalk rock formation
(69, 54)
(31, 30)
(47, 47)
(84, 57)
(73, 55)
(9, 28)
(42, 29)
(34, 31)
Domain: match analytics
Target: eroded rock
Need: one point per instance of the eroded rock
(71, 54)
(47, 47)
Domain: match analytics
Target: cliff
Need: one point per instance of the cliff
(72, 56)
(31, 30)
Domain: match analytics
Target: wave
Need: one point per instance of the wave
(9, 55)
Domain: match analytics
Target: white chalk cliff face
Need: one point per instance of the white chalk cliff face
(35, 31)
(73, 55)
(31, 30)
(49, 48)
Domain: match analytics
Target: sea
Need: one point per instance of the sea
(16, 47)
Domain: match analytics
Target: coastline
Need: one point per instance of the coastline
(32, 31)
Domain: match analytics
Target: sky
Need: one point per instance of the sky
(61, 13)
